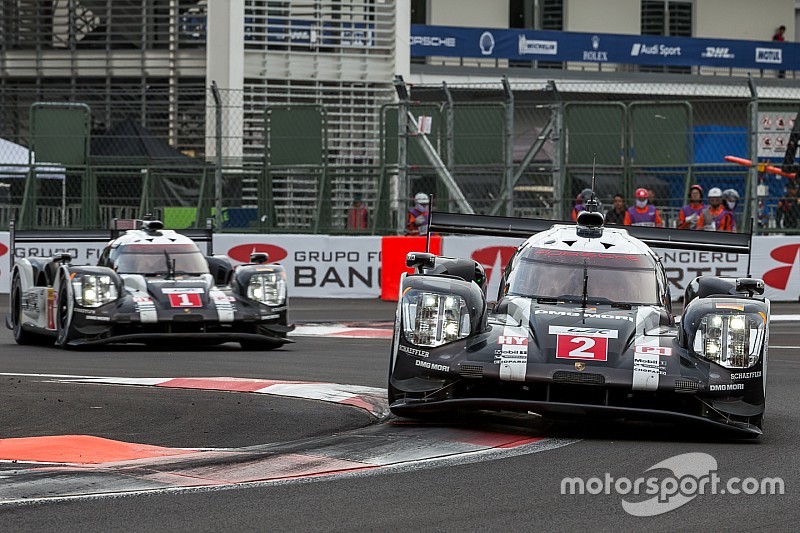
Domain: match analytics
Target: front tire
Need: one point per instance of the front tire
(64, 319)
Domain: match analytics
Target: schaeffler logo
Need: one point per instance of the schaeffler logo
(242, 252)
(691, 475)
(778, 277)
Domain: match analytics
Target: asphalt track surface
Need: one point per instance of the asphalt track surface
(513, 492)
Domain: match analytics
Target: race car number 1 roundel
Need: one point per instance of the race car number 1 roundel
(588, 344)
(185, 299)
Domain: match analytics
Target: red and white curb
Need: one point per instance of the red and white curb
(371, 399)
(85, 466)
(340, 330)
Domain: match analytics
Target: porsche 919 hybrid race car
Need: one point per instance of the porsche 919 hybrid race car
(151, 286)
(583, 327)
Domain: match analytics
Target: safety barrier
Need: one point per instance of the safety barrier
(324, 266)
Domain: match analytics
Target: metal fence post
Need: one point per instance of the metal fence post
(559, 167)
(751, 203)
(509, 148)
(218, 219)
(402, 152)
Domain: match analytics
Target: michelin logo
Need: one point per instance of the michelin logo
(534, 47)
(769, 55)
(655, 50)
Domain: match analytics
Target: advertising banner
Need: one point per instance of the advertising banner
(774, 259)
(317, 266)
(493, 43)
(323, 266)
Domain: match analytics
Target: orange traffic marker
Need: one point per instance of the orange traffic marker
(761, 167)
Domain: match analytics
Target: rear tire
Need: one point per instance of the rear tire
(20, 335)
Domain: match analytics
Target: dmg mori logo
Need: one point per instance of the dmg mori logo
(779, 277)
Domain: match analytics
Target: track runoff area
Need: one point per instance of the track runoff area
(67, 465)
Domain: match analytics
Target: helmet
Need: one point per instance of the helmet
(421, 198)
(715, 192)
(586, 194)
(730, 193)
(695, 186)
(641, 193)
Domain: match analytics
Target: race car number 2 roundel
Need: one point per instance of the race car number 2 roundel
(185, 299)
(588, 344)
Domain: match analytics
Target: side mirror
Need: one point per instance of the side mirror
(750, 285)
(259, 258)
(420, 260)
(62, 258)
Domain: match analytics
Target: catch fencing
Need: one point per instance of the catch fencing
(506, 148)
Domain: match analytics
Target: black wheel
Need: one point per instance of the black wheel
(20, 335)
(63, 319)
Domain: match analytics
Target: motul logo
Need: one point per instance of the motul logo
(778, 277)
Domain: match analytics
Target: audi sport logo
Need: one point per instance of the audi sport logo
(242, 252)
(778, 277)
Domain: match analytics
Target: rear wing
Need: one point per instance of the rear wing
(118, 227)
(653, 237)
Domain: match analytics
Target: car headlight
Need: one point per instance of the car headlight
(93, 290)
(730, 340)
(267, 288)
(432, 319)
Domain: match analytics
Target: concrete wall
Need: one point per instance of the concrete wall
(743, 19)
(607, 16)
(471, 13)
(724, 19)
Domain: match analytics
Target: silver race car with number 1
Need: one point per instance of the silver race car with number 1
(151, 286)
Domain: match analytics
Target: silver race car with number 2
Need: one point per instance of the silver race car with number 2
(583, 327)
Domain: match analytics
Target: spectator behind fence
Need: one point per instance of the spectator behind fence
(762, 214)
(691, 215)
(357, 215)
(643, 213)
(731, 197)
(779, 36)
(787, 212)
(716, 217)
(417, 220)
(580, 203)
(618, 214)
